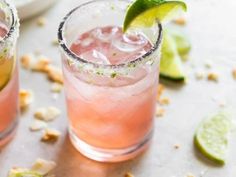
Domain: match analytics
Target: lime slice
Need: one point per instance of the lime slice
(171, 65)
(16, 173)
(144, 13)
(181, 40)
(6, 70)
(211, 137)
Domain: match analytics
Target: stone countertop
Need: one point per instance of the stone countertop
(211, 28)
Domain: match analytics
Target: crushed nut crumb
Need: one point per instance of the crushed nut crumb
(208, 64)
(41, 21)
(26, 61)
(164, 101)
(222, 103)
(50, 135)
(47, 113)
(180, 21)
(37, 52)
(41, 65)
(160, 90)
(190, 175)
(128, 174)
(176, 146)
(25, 98)
(234, 73)
(57, 88)
(160, 112)
(55, 42)
(37, 125)
(55, 74)
(199, 75)
(43, 167)
(213, 77)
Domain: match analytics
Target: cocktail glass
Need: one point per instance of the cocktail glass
(9, 31)
(110, 106)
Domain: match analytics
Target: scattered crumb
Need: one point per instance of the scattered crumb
(160, 90)
(180, 21)
(25, 98)
(57, 88)
(176, 146)
(222, 103)
(213, 77)
(47, 113)
(199, 75)
(128, 174)
(55, 42)
(164, 101)
(50, 135)
(55, 74)
(190, 175)
(41, 65)
(160, 112)
(234, 73)
(208, 64)
(41, 21)
(43, 167)
(37, 125)
(37, 52)
(26, 61)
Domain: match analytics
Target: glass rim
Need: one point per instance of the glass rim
(76, 58)
(14, 23)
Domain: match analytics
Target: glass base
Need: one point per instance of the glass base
(8, 134)
(109, 155)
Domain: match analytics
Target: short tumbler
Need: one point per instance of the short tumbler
(9, 31)
(110, 83)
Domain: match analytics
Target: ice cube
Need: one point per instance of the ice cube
(86, 42)
(95, 56)
(135, 39)
(105, 35)
(124, 46)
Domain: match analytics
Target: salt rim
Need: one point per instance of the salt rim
(148, 58)
(8, 41)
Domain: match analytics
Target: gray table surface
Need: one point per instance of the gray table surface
(211, 27)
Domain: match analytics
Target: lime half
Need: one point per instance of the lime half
(171, 65)
(211, 137)
(144, 13)
(181, 40)
(15, 173)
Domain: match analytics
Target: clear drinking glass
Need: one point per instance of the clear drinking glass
(110, 106)
(9, 31)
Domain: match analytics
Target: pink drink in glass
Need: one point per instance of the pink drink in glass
(8, 73)
(110, 84)
(114, 117)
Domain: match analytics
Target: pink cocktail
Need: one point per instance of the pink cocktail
(110, 81)
(9, 29)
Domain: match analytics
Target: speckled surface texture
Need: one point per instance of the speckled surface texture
(211, 27)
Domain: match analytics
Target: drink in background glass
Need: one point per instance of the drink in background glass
(110, 81)
(9, 29)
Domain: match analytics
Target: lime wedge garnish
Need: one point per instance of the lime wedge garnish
(171, 64)
(15, 173)
(144, 13)
(181, 40)
(211, 137)
(6, 70)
